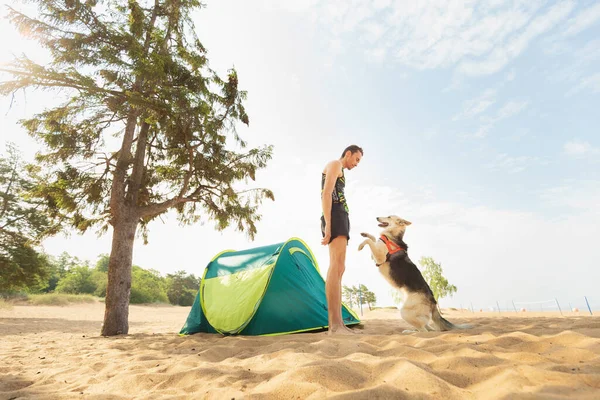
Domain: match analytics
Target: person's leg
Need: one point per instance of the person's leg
(333, 285)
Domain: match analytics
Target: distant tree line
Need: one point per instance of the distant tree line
(69, 275)
(353, 296)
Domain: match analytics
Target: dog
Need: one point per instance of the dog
(419, 306)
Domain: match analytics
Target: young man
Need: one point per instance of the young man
(335, 228)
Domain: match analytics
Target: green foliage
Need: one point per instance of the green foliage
(432, 272)
(21, 226)
(396, 296)
(71, 276)
(182, 288)
(102, 263)
(58, 269)
(147, 286)
(100, 275)
(348, 295)
(59, 299)
(77, 280)
(367, 296)
(100, 280)
(356, 295)
(135, 71)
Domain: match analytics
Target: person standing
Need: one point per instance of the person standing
(335, 229)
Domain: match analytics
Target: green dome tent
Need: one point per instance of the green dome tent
(268, 290)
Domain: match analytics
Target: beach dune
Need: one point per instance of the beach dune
(51, 352)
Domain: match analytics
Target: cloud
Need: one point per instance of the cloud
(582, 196)
(503, 53)
(511, 108)
(475, 37)
(591, 82)
(380, 4)
(580, 149)
(512, 165)
(290, 5)
(582, 20)
(580, 73)
(373, 31)
(477, 105)
(376, 55)
(508, 110)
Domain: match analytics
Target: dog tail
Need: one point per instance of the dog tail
(442, 323)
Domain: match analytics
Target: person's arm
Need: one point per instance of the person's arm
(332, 172)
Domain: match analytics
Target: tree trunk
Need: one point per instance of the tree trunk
(116, 314)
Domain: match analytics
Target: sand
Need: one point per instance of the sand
(49, 352)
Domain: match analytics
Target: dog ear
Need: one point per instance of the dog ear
(407, 223)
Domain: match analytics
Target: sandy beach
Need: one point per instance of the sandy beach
(51, 352)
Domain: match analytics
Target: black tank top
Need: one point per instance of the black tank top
(337, 196)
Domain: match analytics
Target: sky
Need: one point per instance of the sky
(478, 119)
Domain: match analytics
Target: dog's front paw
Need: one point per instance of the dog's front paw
(360, 246)
(364, 234)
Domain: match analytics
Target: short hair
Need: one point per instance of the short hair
(353, 149)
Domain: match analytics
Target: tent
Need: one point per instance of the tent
(268, 290)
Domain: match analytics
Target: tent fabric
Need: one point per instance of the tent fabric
(269, 290)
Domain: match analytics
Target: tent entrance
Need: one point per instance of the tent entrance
(247, 287)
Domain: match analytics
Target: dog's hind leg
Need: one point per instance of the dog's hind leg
(420, 322)
(416, 311)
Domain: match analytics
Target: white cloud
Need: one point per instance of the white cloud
(482, 131)
(583, 20)
(580, 71)
(336, 45)
(373, 31)
(477, 105)
(510, 164)
(578, 149)
(380, 4)
(511, 108)
(575, 196)
(591, 82)
(479, 37)
(505, 52)
(290, 5)
(376, 55)
(508, 110)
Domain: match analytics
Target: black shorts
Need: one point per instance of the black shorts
(340, 223)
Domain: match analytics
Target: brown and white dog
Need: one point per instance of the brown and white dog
(419, 307)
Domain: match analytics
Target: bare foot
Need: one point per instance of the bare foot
(340, 330)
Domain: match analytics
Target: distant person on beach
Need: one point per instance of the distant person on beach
(335, 228)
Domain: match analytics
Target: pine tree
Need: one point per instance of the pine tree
(22, 225)
(134, 71)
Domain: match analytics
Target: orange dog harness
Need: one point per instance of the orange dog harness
(391, 246)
